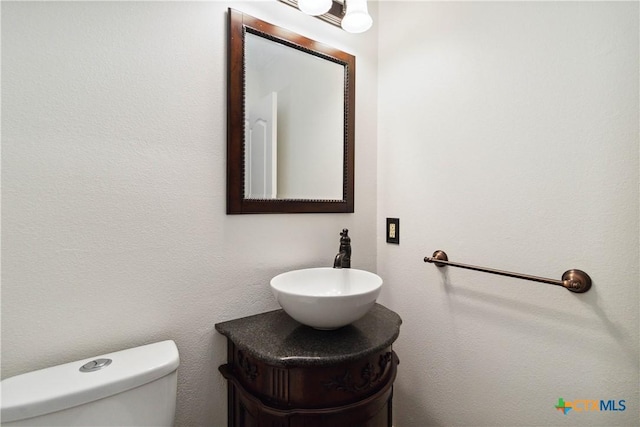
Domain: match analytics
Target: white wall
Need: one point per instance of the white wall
(113, 187)
(508, 137)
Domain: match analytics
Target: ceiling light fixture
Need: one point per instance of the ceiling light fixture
(352, 15)
(314, 7)
(357, 18)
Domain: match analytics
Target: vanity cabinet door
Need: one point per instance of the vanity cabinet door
(247, 411)
(358, 393)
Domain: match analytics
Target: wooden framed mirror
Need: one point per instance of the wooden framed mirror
(290, 122)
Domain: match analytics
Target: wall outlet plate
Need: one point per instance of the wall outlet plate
(393, 230)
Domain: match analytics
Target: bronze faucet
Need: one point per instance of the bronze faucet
(343, 259)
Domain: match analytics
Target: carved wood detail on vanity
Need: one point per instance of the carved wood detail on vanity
(312, 387)
(249, 370)
(368, 375)
(313, 396)
(280, 384)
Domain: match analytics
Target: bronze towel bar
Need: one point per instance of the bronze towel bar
(573, 280)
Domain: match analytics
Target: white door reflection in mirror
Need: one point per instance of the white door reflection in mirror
(309, 133)
(261, 152)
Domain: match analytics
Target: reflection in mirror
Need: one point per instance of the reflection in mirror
(294, 112)
(290, 123)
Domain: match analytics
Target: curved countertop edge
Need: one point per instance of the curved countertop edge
(275, 338)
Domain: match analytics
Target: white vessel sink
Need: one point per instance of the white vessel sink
(326, 298)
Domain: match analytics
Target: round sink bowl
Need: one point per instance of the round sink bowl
(326, 298)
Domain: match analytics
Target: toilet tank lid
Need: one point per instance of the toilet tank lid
(64, 386)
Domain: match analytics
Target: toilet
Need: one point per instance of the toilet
(133, 387)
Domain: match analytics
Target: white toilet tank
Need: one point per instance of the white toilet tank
(137, 388)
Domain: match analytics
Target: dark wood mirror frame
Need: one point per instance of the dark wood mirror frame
(239, 24)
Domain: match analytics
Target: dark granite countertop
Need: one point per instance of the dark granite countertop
(277, 339)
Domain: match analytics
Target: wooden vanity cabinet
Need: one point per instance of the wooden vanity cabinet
(294, 376)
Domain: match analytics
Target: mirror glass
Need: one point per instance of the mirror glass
(290, 125)
(294, 112)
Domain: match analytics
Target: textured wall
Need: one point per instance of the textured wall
(508, 137)
(114, 232)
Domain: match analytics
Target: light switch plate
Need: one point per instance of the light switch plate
(393, 230)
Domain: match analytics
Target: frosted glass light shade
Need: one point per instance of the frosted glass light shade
(314, 7)
(357, 18)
